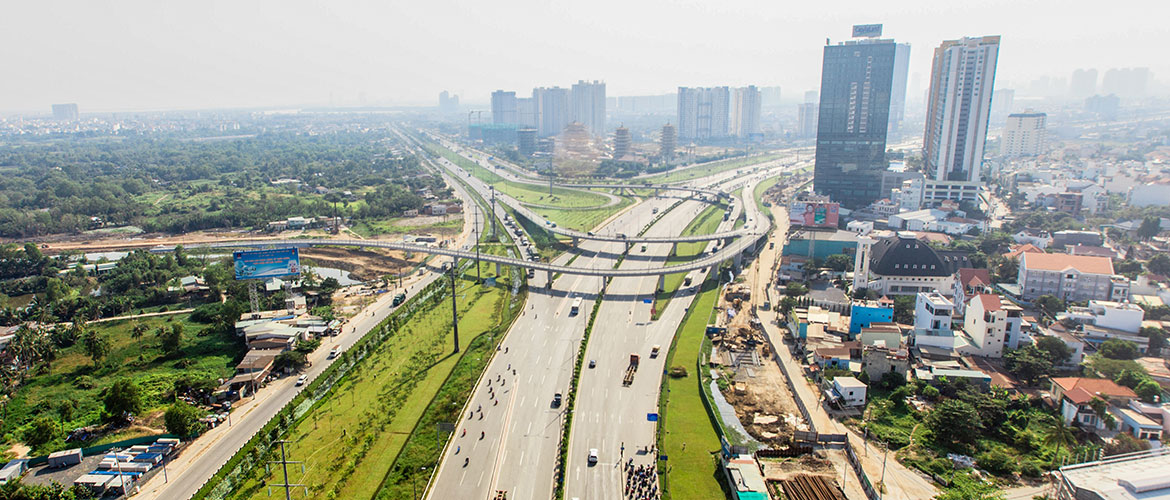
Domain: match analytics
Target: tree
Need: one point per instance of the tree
(124, 397)
(839, 262)
(1147, 389)
(290, 359)
(182, 419)
(954, 421)
(904, 309)
(1159, 264)
(1028, 363)
(1060, 435)
(1054, 349)
(1150, 227)
(787, 304)
(1157, 338)
(1050, 304)
(171, 339)
(43, 430)
(97, 346)
(1118, 349)
(794, 289)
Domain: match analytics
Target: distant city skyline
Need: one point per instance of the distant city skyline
(139, 55)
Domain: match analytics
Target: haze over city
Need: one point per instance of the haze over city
(144, 55)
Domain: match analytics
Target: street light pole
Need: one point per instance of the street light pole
(454, 309)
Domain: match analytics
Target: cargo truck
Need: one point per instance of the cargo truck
(629, 378)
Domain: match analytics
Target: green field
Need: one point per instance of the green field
(705, 223)
(351, 440)
(759, 194)
(70, 391)
(686, 433)
(706, 169)
(375, 227)
(582, 220)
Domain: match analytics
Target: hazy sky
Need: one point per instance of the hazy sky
(183, 54)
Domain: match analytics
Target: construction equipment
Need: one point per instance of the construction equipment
(629, 378)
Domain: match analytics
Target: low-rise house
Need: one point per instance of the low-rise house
(936, 375)
(1074, 396)
(850, 391)
(1072, 238)
(1121, 316)
(992, 324)
(968, 282)
(1075, 344)
(1016, 250)
(863, 313)
(878, 360)
(1097, 335)
(1038, 238)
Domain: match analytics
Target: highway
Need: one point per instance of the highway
(610, 417)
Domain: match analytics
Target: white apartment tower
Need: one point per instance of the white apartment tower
(587, 105)
(745, 112)
(703, 112)
(958, 108)
(1024, 134)
(503, 107)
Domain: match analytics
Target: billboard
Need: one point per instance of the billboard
(867, 30)
(264, 264)
(813, 213)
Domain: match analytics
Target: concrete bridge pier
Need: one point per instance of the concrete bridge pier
(673, 248)
(576, 241)
(549, 279)
(738, 259)
(498, 267)
(627, 245)
(661, 283)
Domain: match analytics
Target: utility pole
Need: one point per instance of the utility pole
(454, 309)
(478, 278)
(495, 236)
(284, 466)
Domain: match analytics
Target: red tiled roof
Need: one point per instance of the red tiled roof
(990, 302)
(970, 277)
(1061, 262)
(1025, 248)
(1081, 390)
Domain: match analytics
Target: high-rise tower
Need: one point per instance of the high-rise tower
(958, 108)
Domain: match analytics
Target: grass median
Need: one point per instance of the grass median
(710, 168)
(706, 222)
(686, 433)
(352, 437)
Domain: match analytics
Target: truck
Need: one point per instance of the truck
(399, 299)
(575, 309)
(629, 378)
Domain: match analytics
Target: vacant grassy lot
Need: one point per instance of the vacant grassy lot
(686, 433)
(375, 227)
(759, 193)
(705, 169)
(706, 223)
(582, 220)
(350, 440)
(70, 390)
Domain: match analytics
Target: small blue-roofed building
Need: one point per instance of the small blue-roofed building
(865, 313)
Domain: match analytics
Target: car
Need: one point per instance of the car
(333, 352)
(301, 380)
(592, 456)
(556, 402)
(593, 363)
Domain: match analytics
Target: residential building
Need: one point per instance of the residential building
(909, 195)
(744, 121)
(1097, 335)
(854, 111)
(1070, 237)
(864, 313)
(1035, 237)
(806, 117)
(587, 106)
(526, 113)
(1024, 134)
(877, 361)
(770, 96)
(552, 110)
(933, 312)
(1104, 106)
(850, 390)
(65, 112)
(969, 282)
(703, 113)
(904, 265)
(992, 324)
(666, 141)
(504, 107)
(963, 74)
(448, 103)
(1075, 345)
(526, 141)
(1069, 277)
(1122, 316)
(1076, 393)
(958, 111)
(1151, 194)
(898, 89)
(1130, 476)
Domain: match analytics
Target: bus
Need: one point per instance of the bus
(576, 309)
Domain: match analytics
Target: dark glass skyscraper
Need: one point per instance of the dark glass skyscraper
(856, 78)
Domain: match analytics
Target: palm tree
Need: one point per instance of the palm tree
(1059, 434)
(136, 332)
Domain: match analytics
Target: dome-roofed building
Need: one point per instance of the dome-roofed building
(904, 265)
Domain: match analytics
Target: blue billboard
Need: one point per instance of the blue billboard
(264, 264)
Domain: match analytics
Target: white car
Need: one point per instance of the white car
(592, 456)
(301, 380)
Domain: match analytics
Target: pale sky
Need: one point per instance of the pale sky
(192, 54)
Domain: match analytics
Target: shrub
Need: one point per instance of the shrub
(42, 430)
(997, 462)
(84, 382)
(1030, 468)
(182, 419)
(678, 372)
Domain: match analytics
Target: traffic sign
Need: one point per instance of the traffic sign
(653, 417)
